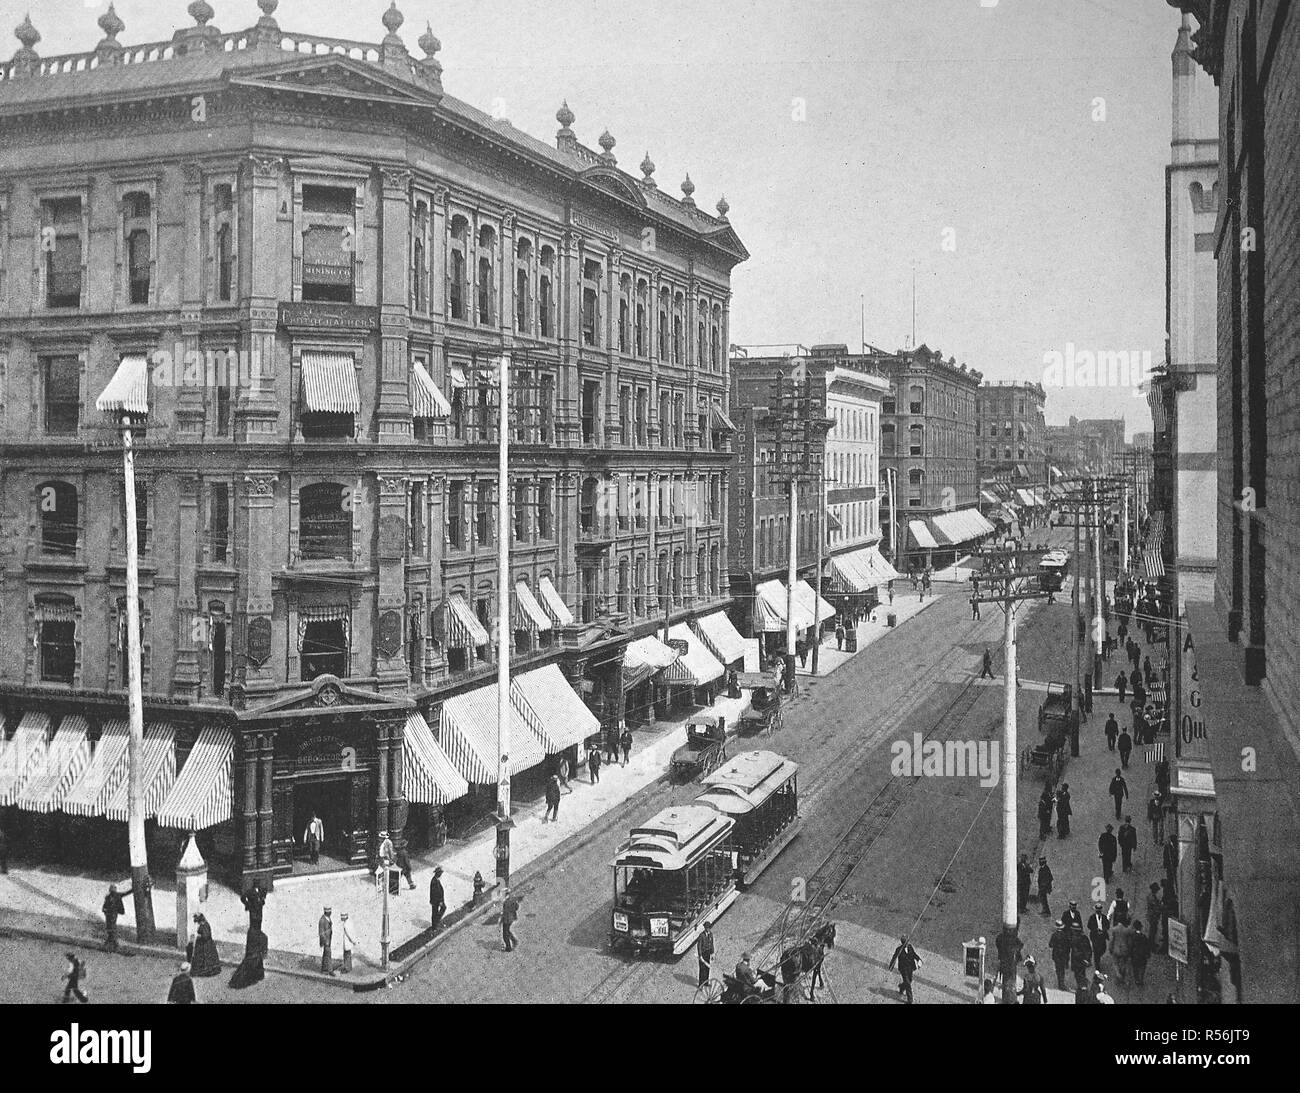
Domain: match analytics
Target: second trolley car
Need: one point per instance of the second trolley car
(1052, 568)
(759, 790)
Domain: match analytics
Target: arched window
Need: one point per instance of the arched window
(916, 399)
(916, 440)
(60, 512)
(888, 444)
(665, 418)
(545, 319)
(639, 589)
(677, 578)
(136, 227)
(487, 243)
(458, 274)
(325, 522)
(715, 570)
(664, 303)
(419, 270)
(590, 317)
(663, 581)
(217, 645)
(679, 305)
(916, 477)
(225, 264)
(716, 339)
(642, 296)
(625, 314)
(587, 504)
(701, 573)
(624, 586)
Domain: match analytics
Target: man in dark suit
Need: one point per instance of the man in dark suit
(437, 898)
(182, 988)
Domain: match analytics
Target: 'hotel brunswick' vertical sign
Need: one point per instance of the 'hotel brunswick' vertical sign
(1193, 741)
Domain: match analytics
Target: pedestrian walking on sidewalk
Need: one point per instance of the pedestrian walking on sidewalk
(254, 900)
(325, 933)
(1148, 673)
(404, 864)
(552, 799)
(1024, 881)
(974, 608)
(1044, 884)
(349, 941)
(1118, 791)
(1128, 841)
(181, 992)
(1080, 958)
(1046, 804)
(593, 765)
(704, 952)
(1034, 990)
(611, 746)
(1119, 911)
(986, 672)
(1107, 850)
(839, 635)
(251, 970)
(907, 962)
(1125, 746)
(1064, 810)
(1112, 731)
(509, 913)
(113, 908)
(1098, 934)
(1059, 946)
(202, 954)
(1072, 918)
(1155, 916)
(1140, 953)
(72, 979)
(801, 648)
(313, 837)
(891, 593)
(1121, 685)
(437, 898)
(626, 741)
(1156, 818)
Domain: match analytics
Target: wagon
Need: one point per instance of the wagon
(705, 747)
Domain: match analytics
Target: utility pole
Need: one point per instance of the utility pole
(817, 603)
(1002, 567)
(1098, 582)
(504, 822)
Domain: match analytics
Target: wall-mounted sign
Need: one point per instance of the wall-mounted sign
(392, 537)
(258, 645)
(390, 633)
(605, 231)
(325, 316)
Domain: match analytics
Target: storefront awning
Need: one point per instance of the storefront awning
(107, 767)
(921, 534)
(644, 657)
(68, 754)
(833, 522)
(456, 377)
(554, 603)
(529, 614)
(991, 498)
(557, 714)
(464, 631)
(200, 798)
(1153, 565)
(159, 774)
(128, 391)
(429, 776)
(811, 604)
(468, 731)
(720, 420)
(23, 757)
(427, 402)
(696, 666)
(770, 599)
(1022, 470)
(1026, 498)
(329, 383)
(722, 638)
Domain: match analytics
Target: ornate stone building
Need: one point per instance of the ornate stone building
(300, 259)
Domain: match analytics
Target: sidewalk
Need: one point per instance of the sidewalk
(907, 605)
(63, 904)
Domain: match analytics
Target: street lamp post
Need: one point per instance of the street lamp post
(504, 822)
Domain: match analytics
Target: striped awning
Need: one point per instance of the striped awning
(430, 777)
(468, 731)
(529, 614)
(456, 377)
(201, 795)
(67, 757)
(329, 383)
(644, 657)
(552, 708)
(23, 757)
(158, 775)
(463, 627)
(1153, 565)
(816, 608)
(427, 401)
(107, 767)
(1026, 498)
(991, 498)
(720, 420)
(695, 667)
(554, 603)
(921, 533)
(881, 566)
(770, 608)
(847, 575)
(722, 638)
(128, 391)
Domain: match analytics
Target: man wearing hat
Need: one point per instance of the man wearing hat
(349, 941)
(182, 988)
(437, 898)
(326, 934)
(1072, 919)
(908, 961)
(1044, 883)
(1098, 933)
(1059, 946)
(1034, 991)
(745, 974)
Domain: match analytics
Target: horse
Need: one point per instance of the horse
(814, 953)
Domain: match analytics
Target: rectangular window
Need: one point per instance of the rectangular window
(625, 414)
(590, 410)
(223, 409)
(520, 513)
(62, 243)
(546, 407)
(62, 391)
(141, 516)
(415, 518)
(324, 649)
(456, 515)
(219, 522)
(58, 651)
(544, 529)
(483, 515)
(328, 243)
(642, 413)
(317, 426)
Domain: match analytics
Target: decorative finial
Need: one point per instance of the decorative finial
(648, 169)
(564, 115)
(428, 42)
(393, 19)
(607, 143)
(723, 207)
(111, 24)
(688, 188)
(27, 34)
(201, 12)
(268, 7)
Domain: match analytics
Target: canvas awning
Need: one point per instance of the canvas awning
(720, 420)
(529, 614)
(456, 377)
(427, 402)
(107, 768)
(770, 609)
(468, 731)
(696, 666)
(1026, 498)
(329, 383)
(991, 498)
(464, 631)
(159, 774)
(643, 657)
(22, 757)
(881, 566)
(1022, 470)
(553, 708)
(1153, 565)
(722, 638)
(66, 758)
(811, 604)
(554, 603)
(921, 534)
(128, 391)
(200, 798)
(429, 775)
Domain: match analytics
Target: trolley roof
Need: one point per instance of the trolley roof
(745, 782)
(674, 838)
(1054, 558)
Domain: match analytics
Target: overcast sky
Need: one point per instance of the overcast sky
(847, 136)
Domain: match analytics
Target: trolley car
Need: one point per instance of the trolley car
(759, 790)
(1052, 568)
(672, 876)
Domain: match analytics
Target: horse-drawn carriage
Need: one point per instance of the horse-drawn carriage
(795, 978)
(1057, 718)
(763, 714)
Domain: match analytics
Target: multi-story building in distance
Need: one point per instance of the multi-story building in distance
(298, 260)
(1010, 440)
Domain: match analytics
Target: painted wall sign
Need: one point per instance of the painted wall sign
(390, 633)
(258, 645)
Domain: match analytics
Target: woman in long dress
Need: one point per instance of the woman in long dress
(250, 970)
(204, 961)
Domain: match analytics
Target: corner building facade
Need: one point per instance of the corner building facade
(320, 256)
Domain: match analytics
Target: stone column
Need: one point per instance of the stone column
(397, 807)
(248, 763)
(390, 648)
(258, 407)
(393, 401)
(186, 670)
(258, 533)
(382, 812)
(265, 810)
(190, 397)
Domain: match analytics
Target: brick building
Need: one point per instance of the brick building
(302, 258)
(1010, 433)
